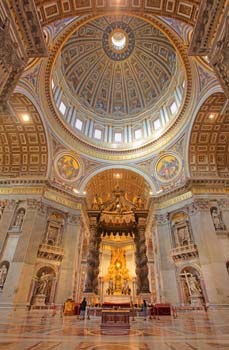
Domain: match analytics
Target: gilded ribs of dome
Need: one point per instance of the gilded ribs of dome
(118, 84)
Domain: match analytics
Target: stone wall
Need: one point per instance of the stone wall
(26, 254)
(204, 256)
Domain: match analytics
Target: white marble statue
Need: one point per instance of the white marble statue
(19, 218)
(217, 219)
(42, 284)
(3, 274)
(194, 286)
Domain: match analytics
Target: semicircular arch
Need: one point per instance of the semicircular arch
(116, 169)
(106, 180)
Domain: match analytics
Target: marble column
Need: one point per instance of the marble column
(141, 258)
(79, 278)
(91, 284)
(169, 290)
(65, 285)
(157, 262)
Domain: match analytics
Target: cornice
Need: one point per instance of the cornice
(193, 189)
(43, 189)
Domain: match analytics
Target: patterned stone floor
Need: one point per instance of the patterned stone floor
(39, 330)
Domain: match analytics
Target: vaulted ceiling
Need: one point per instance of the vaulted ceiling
(107, 181)
(209, 141)
(50, 11)
(23, 143)
(117, 83)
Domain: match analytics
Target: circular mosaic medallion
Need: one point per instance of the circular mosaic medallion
(168, 167)
(118, 41)
(67, 167)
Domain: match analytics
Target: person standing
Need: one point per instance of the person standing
(144, 309)
(83, 306)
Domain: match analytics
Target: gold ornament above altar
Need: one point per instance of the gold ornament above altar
(118, 274)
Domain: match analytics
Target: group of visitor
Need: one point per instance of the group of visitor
(83, 306)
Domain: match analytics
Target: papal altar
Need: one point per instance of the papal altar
(115, 320)
(117, 299)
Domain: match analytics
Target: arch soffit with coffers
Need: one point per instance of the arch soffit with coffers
(51, 11)
(132, 169)
(208, 144)
(20, 89)
(24, 146)
(104, 181)
(212, 89)
(94, 151)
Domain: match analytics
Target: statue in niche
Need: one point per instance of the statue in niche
(217, 219)
(192, 289)
(194, 286)
(3, 274)
(45, 280)
(181, 230)
(186, 291)
(52, 235)
(1, 209)
(183, 235)
(19, 218)
(54, 229)
(42, 284)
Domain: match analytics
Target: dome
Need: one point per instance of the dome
(116, 75)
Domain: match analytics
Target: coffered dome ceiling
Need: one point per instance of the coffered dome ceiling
(113, 71)
(117, 80)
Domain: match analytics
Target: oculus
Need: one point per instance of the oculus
(118, 41)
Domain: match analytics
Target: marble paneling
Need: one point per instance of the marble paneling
(42, 330)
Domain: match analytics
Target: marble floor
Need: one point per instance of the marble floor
(40, 330)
